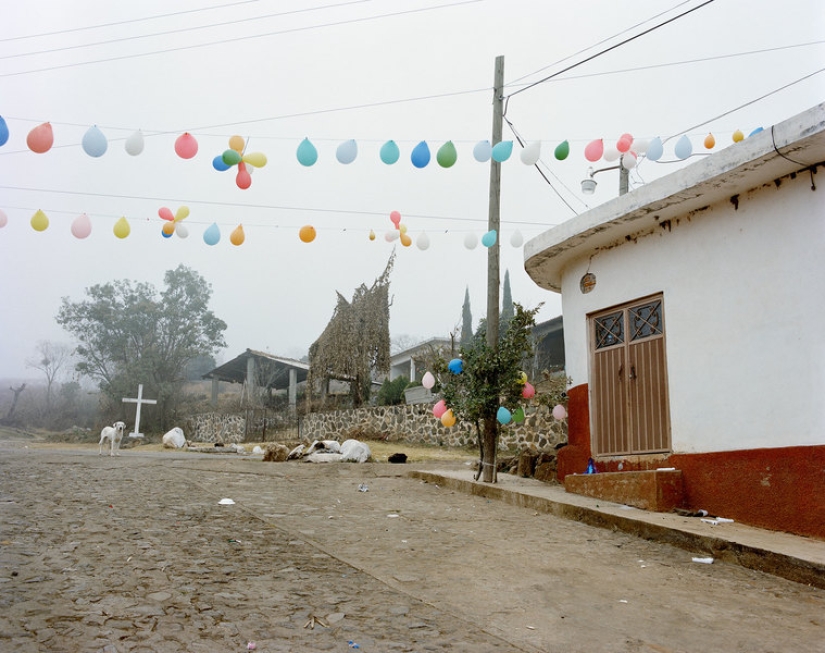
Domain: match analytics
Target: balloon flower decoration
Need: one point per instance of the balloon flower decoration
(400, 232)
(236, 156)
(173, 223)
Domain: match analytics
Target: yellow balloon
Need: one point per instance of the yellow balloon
(168, 228)
(738, 136)
(237, 236)
(372, 235)
(406, 241)
(522, 378)
(122, 228)
(182, 213)
(40, 221)
(237, 143)
(448, 418)
(710, 142)
(402, 228)
(255, 159)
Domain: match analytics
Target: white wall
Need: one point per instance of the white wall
(744, 303)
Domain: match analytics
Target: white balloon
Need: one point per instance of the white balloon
(470, 241)
(423, 241)
(181, 230)
(530, 154)
(347, 151)
(610, 153)
(629, 160)
(134, 144)
(640, 145)
(428, 380)
(390, 236)
(516, 240)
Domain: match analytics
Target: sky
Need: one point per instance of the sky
(278, 72)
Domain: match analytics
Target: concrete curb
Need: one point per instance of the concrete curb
(794, 558)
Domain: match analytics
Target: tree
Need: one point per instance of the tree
(50, 359)
(466, 320)
(489, 379)
(392, 392)
(507, 308)
(128, 333)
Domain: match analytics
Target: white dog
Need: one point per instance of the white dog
(113, 433)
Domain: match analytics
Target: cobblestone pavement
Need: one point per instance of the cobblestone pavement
(135, 553)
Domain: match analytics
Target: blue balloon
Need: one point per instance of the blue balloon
(219, 164)
(420, 156)
(94, 142)
(754, 132)
(164, 234)
(212, 234)
(502, 151)
(307, 154)
(655, 149)
(456, 366)
(503, 415)
(482, 151)
(683, 148)
(4, 131)
(489, 239)
(390, 153)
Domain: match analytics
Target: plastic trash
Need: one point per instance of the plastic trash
(226, 502)
(704, 561)
(363, 488)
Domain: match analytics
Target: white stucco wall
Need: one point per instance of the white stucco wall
(744, 305)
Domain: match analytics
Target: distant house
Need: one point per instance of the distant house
(412, 362)
(693, 314)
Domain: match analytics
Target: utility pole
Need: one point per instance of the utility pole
(493, 216)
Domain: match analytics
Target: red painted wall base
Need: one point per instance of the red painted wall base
(779, 489)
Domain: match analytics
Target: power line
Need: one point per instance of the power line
(245, 38)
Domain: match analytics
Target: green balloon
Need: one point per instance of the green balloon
(518, 415)
(446, 155)
(231, 157)
(562, 150)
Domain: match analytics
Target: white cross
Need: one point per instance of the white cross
(140, 400)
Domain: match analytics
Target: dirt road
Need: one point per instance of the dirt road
(136, 553)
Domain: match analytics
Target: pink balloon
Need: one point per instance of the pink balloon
(528, 391)
(81, 226)
(559, 412)
(41, 138)
(395, 216)
(428, 380)
(166, 214)
(594, 150)
(243, 179)
(623, 144)
(186, 146)
(439, 409)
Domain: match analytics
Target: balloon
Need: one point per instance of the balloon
(489, 239)
(243, 179)
(503, 415)
(4, 219)
(611, 154)
(122, 228)
(530, 154)
(4, 132)
(518, 415)
(624, 143)
(166, 214)
(181, 230)
(306, 153)
(710, 142)
(629, 160)
(237, 236)
(562, 151)
(212, 235)
(528, 391)
(448, 418)
(516, 240)
(346, 152)
(738, 136)
(231, 158)
(134, 144)
(446, 155)
(428, 380)
(94, 142)
(655, 149)
(168, 229)
(40, 221)
(256, 159)
(482, 151)
(502, 151)
(219, 164)
(640, 145)
(522, 378)
(372, 235)
(406, 241)
(41, 138)
(423, 241)
(470, 241)
(395, 217)
(456, 366)
(683, 148)
(389, 153)
(392, 236)
(307, 233)
(186, 146)
(755, 132)
(237, 143)
(559, 412)
(594, 150)
(420, 156)
(439, 408)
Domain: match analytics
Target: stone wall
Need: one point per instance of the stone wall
(415, 424)
(215, 427)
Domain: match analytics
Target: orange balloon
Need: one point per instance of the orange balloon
(41, 138)
(237, 236)
(307, 233)
(448, 418)
(372, 235)
(168, 228)
(710, 142)
(406, 241)
(237, 143)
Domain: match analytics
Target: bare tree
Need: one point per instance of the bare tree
(10, 414)
(50, 358)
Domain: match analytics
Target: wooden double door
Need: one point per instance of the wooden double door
(628, 382)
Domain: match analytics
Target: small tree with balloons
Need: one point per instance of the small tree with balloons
(487, 387)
